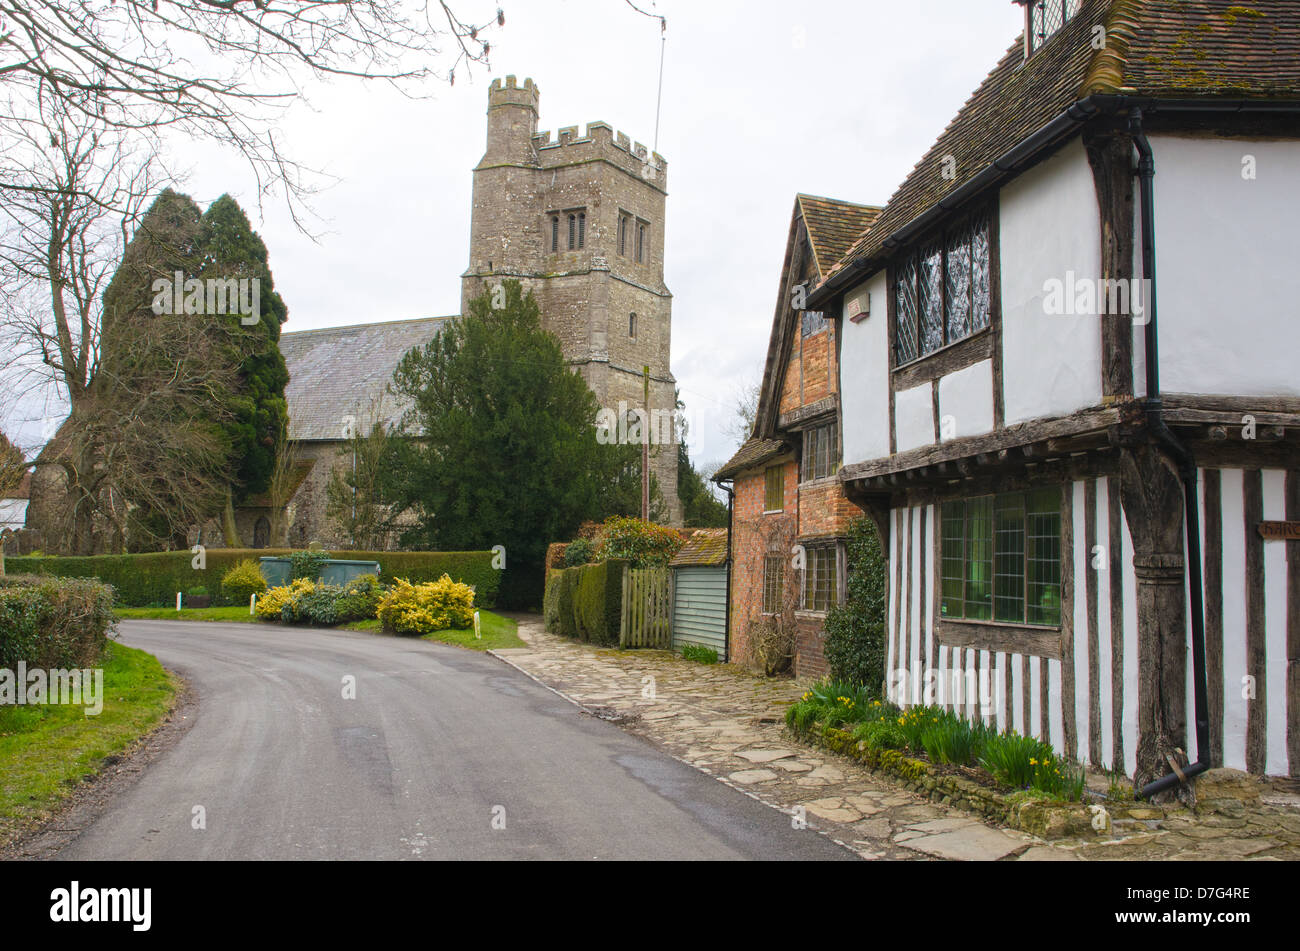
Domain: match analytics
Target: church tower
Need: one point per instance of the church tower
(579, 221)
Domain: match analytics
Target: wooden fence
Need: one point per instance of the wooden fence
(647, 608)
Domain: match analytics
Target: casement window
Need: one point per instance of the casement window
(941, 290)
(631, 326)
(821, 578)
(774, 496)
(1001, 558)
(1043, 18)
(773, 583)
(641, 228)
(820, 453)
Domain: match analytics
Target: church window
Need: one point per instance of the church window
(577, 230)
(624, 225)
(555, 232)
(640, 241)
(631, 326)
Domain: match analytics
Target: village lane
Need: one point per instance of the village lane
(443, 754)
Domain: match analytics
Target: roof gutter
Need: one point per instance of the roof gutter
(1025, 153)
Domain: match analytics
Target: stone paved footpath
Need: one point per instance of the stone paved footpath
(730, 724)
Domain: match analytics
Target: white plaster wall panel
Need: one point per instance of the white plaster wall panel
(1078, 664)
(1049, 227)
(967, 396)
(1130, 642)
(1275, 653)
(1226, 265)
(914, 417)
(1105, 646)
(1234, 620)
(864, 376)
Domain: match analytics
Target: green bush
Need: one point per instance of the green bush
(53, 622)
(359, 599)
(699, 653)
(644, 544)
(154, 578)
(855, 631)
(579, 552)
(586, 602)
(307, 564)
(241, 582)
(551, 602)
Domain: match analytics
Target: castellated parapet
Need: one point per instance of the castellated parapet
(579, 220)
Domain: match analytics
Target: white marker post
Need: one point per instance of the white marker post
(252, 603)
(178, 600)
(478, 627)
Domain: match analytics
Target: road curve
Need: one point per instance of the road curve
(440, 747)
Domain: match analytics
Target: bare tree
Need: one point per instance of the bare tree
(216, 69)
(284, 482)
(354, 500)
(746, 398)
(13, 466)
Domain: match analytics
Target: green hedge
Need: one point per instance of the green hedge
(154, 578)
(586, 602)
(53, 622)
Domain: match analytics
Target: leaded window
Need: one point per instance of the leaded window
(942, 290)
(774, 494)
(821, 578)
(773, 583)
(820, 453)
(1046, 17)
(1001, 558)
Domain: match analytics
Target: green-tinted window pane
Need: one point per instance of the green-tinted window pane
(775, 495)
(979, 559)
(1043, 557)
(953, 577)
(1009, 559)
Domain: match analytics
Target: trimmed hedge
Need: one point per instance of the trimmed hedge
(53, 622)
(154, 578)
(586, 602)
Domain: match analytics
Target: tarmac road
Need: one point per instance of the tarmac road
(438, 750)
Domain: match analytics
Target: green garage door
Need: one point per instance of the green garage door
(700, 608)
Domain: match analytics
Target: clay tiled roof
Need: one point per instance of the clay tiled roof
(340, 372)
(753, 453)
(833, 227)
(706, 547)
(1176, 49)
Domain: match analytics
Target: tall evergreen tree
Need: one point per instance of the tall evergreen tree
(229, 250)
(507, 452)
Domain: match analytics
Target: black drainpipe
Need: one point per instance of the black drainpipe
(731, 508)
(1186, 468)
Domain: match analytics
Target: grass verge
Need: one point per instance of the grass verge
(46, 750)
(237, 613)
(498, 632)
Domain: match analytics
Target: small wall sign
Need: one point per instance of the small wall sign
(1276, 531)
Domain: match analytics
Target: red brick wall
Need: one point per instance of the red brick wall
(755, 534)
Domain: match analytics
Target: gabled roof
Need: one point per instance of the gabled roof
(833, 226)
(341, 372)
(1170, 49)
(707, 547)
(755, 452)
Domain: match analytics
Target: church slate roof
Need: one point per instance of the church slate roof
(1176, 49)
(341, 372)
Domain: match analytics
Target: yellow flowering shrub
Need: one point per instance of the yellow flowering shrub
(271, 603)
(425, 608)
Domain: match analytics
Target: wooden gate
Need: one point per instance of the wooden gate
(647, 608)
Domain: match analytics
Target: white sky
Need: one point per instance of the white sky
(760, 100)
